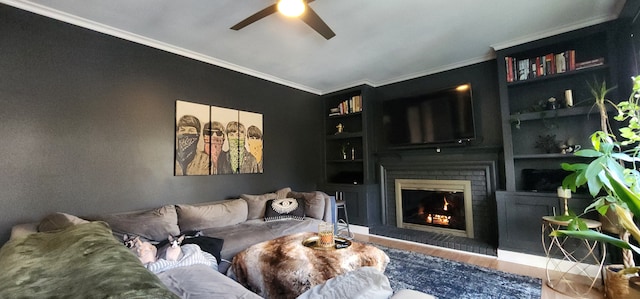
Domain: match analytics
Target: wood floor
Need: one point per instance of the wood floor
(480, 260)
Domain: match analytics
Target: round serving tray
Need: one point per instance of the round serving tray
(314, 242)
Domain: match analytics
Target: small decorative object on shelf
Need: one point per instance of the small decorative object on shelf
(552, 104)
(548, 143)
(340, 128)
(568, 149)
(343, 150)
(568, 98)
(353, 153)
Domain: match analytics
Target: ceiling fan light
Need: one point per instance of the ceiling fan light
(291, 8)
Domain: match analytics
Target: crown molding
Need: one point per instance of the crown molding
(549, 33)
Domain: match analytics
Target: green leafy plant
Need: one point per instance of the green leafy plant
(612, 176)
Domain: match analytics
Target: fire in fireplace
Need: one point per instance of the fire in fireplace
(435, 205)
(434, 208)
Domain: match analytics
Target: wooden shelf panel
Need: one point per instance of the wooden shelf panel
(345, 135)
(563, 112)
(545, 156)
(345, 115)
(345, 161)
(555, 76)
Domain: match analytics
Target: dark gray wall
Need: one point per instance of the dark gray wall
(87, 123)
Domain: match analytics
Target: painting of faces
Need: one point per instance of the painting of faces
(214, 140)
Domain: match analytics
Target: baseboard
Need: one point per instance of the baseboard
(542, 262)
(430, 246)
(363, 230)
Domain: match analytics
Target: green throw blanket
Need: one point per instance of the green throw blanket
(82, 261)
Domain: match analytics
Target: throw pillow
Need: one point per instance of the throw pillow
(257, 204)
(285, 208)
(217, 214)
(58, 221)
(313, 203)
(209, 244)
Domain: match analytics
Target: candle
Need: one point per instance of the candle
(568, 98)
(564, 193)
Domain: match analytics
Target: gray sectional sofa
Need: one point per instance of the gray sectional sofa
(239, 222)
(236, 223)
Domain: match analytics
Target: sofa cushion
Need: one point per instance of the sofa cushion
(284, 208)
(282, 193)
(153, 225)
(57, 221)
(209, 244)
(216, 214)
(313, 203)
(257, 204)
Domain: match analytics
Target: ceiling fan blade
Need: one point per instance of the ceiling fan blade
(255, 17)
(314, 21)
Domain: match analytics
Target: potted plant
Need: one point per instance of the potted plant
(613, 180)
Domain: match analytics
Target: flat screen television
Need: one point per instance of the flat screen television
(436, 118)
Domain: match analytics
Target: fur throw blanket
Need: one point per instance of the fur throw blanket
(284, 268)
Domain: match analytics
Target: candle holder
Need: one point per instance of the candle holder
(325, 234)
(565, 194)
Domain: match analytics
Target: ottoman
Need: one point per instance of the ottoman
(285, 268)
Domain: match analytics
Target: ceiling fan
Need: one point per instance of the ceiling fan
(307, 15)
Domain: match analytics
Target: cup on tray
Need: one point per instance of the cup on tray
(325, 234)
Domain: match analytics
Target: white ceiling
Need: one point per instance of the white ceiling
(377, 42)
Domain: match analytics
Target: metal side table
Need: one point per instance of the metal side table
(574, 266)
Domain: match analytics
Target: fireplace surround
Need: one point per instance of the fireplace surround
(482, 176)
(442, 206)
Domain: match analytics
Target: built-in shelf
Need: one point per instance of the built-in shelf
(345, 115)
(346, 161)
(554, 76)
(545, 156)
(563, 112)
(526, 126)
(345, 135)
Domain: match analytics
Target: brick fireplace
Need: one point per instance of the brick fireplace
(478, 180)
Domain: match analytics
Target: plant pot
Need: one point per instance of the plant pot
(618, 286)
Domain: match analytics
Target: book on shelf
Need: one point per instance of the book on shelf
(509, 68)
(523, 69)
(548, 64)
(561, 63)
(351, 105)
(589, 63)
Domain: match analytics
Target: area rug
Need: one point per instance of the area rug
(450, 279)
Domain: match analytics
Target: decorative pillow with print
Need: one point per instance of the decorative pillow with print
(284, 208)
